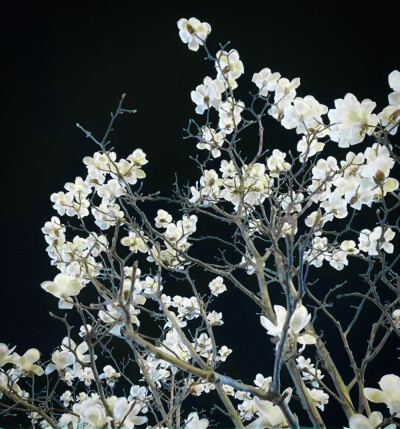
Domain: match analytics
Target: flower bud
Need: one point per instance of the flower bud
(379, 177)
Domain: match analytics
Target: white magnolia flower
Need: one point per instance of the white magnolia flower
(194, 422)
(208, 94)
(319, 397)
(390, 115)
(26, 363)
(298, 322)
(80, 189)
(212, 141)
(335, 206)
(54, 231)
(110, 191)
(63, 287)
(79, 351)
(368, 241)
(309, 146)
(193, 32)
(352, 120)
(107, 215)
(276, 163)
(262, 382)
(134, 242)
(338, 259)
(349, 246)
(286, 89)
(203, 344)
(8, 380)
(61, 359)
(389, 393)
(266, 81)
(6, 354)
(137, 158)
(63, 202)
(394, 83)
(269, 415)
(126, 412)
(358, 421)
(229, 67)
(223, 353)
(215, 319)
(304, 114)
(217, 286)
(86, 375)
(230, 115)
(95, 415)
(309, 373)
(66, 397)
(110, 375)
(394, 80)
(163, 219)
(396, 317)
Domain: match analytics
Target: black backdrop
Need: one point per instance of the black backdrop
(64, 63)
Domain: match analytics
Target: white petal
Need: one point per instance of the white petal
(375, 395)
(51, 287)
(299, 319)
(31, 356)
(73, 287)
(280, 315)
(358, 421)
(306, 339)
(390, 385)
(64, 305)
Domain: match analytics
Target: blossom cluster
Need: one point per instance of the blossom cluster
(273, 198)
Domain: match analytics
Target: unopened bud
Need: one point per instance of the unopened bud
(379, 177)
(354, 199)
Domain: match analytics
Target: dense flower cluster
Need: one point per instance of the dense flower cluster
(268, 201)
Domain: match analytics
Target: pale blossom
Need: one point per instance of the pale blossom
(61, 360)
(389, 393)
(276, 163)
(63, 287)
(193, 32)
(304, 114)
(194, 422)
(6, 354)
(269, 415)
(262, 382)
(368, 241)
(137, 158)
(358, 421)
(266, 81)
(110, 191)
(319, 397)
(223, 353)
(66, 397)
(229, 67)
(299, 320)
(351, 120)
(335, 206)
(26, 363)
(208, 94)
(163, 219)
(212, 141)
(217, 286)
(110, 375)
(135, 242)
(309, 146)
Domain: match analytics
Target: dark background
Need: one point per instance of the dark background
(64, 63)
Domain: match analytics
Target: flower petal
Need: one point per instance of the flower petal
(375, 395)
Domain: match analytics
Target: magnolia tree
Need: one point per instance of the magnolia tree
(136, 353)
